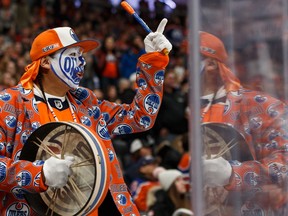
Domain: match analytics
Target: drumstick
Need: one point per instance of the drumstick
(45, 148)
(132, 12)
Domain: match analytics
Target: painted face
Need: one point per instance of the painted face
(68, 64)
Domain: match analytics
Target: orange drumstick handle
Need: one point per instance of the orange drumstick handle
(127, 7)
(132, 12)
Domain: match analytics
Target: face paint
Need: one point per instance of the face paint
(68, 64)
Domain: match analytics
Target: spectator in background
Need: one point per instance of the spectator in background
(172, 119)
(172, 196)
(126, 90)
(139, 148)
(169, 157)
(111, 94)
(107, 59)
(130, 57)
(146, 180)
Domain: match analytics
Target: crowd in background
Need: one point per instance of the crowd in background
(110, 73)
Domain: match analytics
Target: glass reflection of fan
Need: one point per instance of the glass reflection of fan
(222, 140)
(89, 182)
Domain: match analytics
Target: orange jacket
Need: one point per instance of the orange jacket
(19, 117)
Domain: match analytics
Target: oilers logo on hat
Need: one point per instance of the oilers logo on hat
(54, 39)
(73, 35)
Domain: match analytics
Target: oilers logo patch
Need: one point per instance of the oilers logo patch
(106, 116)
(122, 129)
(19, 127)
(145, 121)
(23, 178)
(5, 97)
(130, 114)
(35, 125)
(38, 162)
(18, 193)
(255, 123)
(3, 169)
(142, 84)
(260, 99)
(251, 178)
(18, 209)
(121, 199)
(102, 129)
(95, 112)
(10, 121)
(73, 35)
(111, 155)
(152, 103)
(81, 94)
(24, 136)
(86, 121)
(272, 112)
(159, 78)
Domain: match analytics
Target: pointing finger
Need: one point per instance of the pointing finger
(162, 25)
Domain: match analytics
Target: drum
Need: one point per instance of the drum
(87, 186)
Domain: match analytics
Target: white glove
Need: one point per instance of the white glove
(216, 172)
(57, 171)
(156, 41)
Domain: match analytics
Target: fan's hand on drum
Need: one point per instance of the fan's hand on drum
(156, 41)
(216, 172)
(56, 171)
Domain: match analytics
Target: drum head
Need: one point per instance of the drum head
(87, 186)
